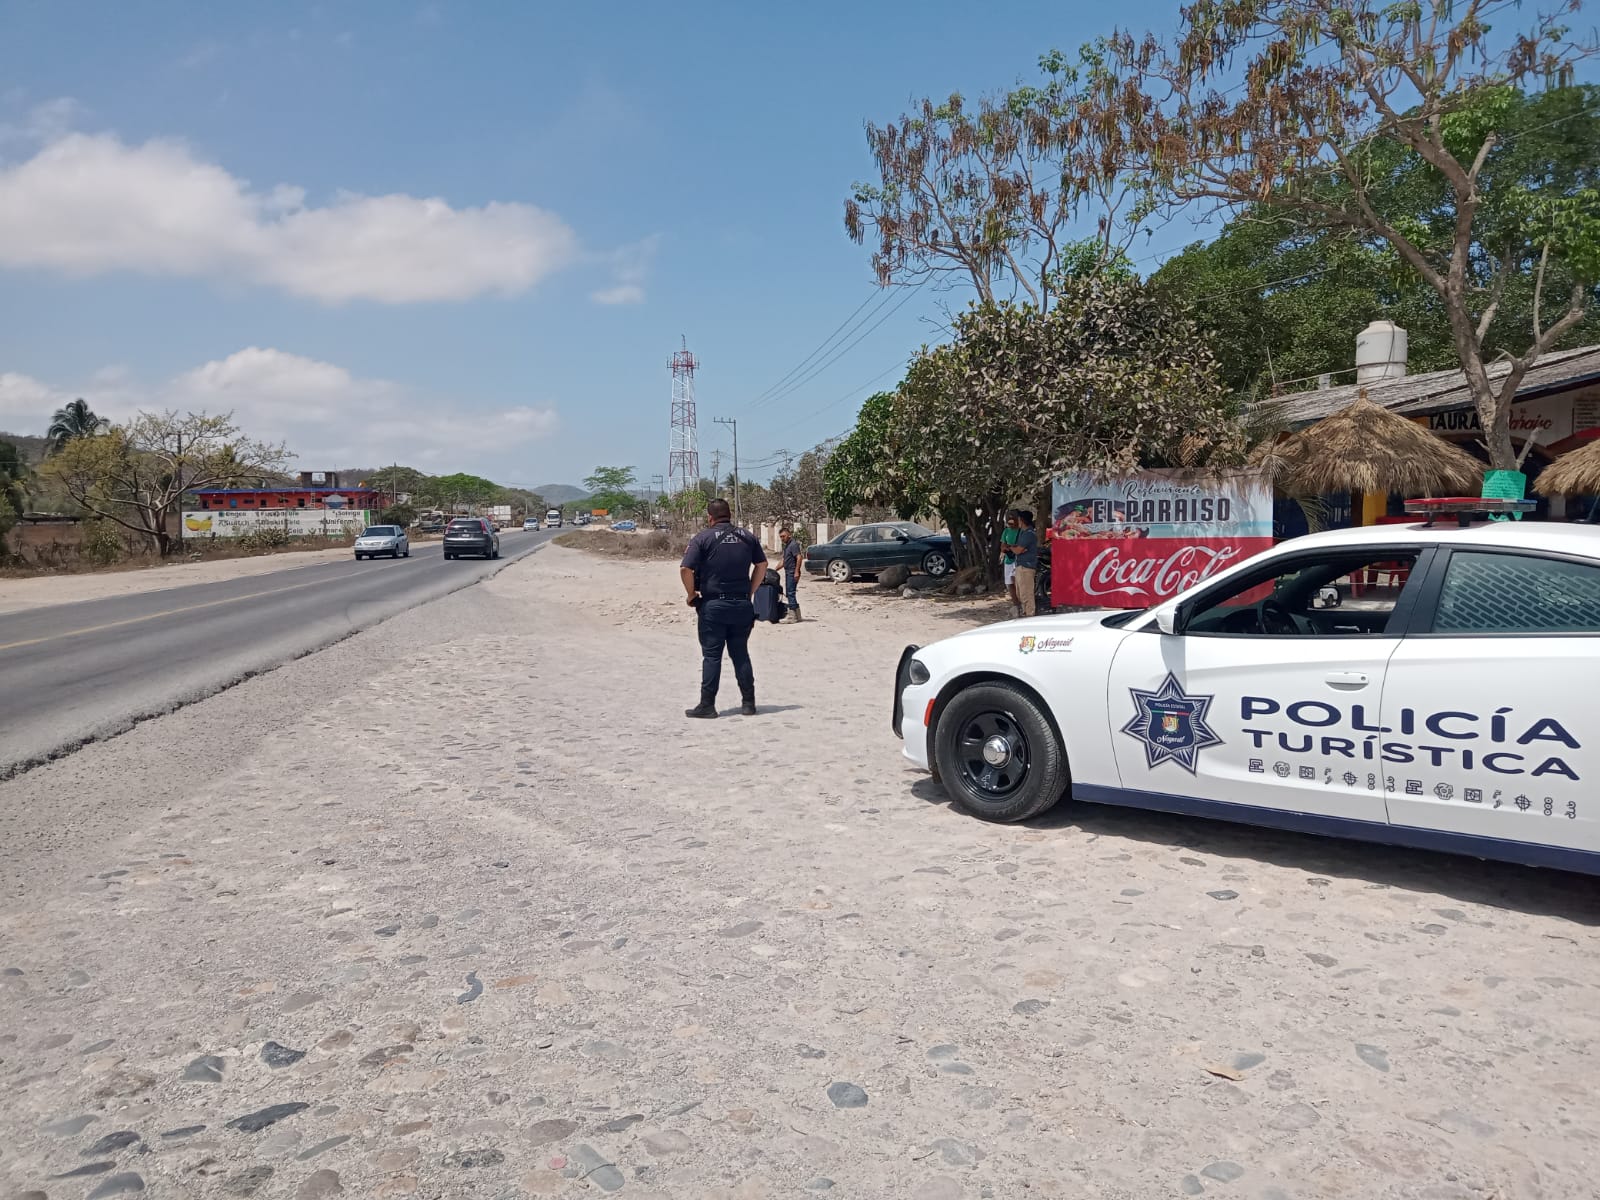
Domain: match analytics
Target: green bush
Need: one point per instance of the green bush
(402, 515)
(102, 543)
(266, 538)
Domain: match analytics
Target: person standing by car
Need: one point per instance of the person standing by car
(1008, 557)
(791, 571)
(1027, 552)
(721, 570)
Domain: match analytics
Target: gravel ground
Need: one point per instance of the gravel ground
(493, 920)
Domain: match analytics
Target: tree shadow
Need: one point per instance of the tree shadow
(1531, 890)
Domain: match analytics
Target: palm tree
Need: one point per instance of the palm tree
(72, 421)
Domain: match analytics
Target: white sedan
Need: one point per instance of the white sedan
(383, 539)
(1422, 685)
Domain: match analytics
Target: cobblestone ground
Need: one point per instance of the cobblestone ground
(461, 907)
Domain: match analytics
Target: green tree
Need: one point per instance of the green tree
(610, 488)
(14, 480)
(462, 488)
(1375, 119)
(403, 515)
(1113, 378)
(135, 474)
(75, 419)
(1281, 303)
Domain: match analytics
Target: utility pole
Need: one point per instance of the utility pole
(733, 423)
(660, 482)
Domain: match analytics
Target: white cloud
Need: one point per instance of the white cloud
(623, 293)
(90, 204)
(631, 267)
(327, 416)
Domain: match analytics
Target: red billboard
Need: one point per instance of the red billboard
(1134, 541)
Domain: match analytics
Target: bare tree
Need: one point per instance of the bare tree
(1308, 107)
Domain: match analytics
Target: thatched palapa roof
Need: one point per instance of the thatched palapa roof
(1366, 448)
(1576, 473)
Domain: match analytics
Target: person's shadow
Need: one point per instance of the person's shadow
(1532, 890)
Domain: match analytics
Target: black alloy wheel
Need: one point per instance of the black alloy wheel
(997, 754)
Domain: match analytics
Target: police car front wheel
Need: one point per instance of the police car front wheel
(997, 756)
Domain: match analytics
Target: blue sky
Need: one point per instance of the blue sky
(203, 186)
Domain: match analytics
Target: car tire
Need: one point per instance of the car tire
(448, 557)
(495, 554)
(936, 563)
(839, 571)
(1031, 779)
(407, 554)
(359, 557)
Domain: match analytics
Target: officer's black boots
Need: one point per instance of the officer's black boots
(704, 709)
(748, 708)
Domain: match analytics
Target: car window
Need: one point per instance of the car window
(1325, 595)
(858, 535)
(892, 533)
(1517, 593)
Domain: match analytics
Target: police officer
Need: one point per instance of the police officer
(721, 571)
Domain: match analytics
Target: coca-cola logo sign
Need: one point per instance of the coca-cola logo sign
(1114, 571)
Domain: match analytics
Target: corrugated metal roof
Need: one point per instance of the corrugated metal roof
(1441, 391)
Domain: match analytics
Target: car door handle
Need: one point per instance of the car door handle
(1350, 680)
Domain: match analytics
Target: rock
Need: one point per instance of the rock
(184, 1131)
(1322, 960)
(805, 1051)
(337, 1040)
(118, 1185)
(893, 578)
(467, 1160)
(247, 1182)
(956, 1068)
(205, 1069)
(70, 1127)
(820, 1184)
(112, 1142)
(318, 1184)
(622, 1123)
(1223, 1171)
(666, 1141)
(384, 1055)
(956, 1154)
(474, 989)
(739, 930)
(1028, 1008)
(943, 1052)
(276, 1055)
(847, 1095)
(1224, 894)
(1295, 1117)
(257, 1121)
(542, 1133)
(596, 1169)
(1374, 1056)
(322, 1146)
(94, 1168)
(1191, 1185)
(1244, 1060)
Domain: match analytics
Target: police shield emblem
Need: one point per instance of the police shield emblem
(1171, 724)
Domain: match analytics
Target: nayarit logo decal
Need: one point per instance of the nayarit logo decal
(1171, 724)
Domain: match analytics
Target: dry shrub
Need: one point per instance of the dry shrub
(657, 545)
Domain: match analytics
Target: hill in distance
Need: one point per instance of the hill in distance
(560, 493)
(32, 448)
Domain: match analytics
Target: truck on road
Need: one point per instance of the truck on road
(552, 519)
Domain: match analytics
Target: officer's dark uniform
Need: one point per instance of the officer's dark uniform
(721, 557)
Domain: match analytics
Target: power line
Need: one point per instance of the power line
(842, 350)
(807, 359)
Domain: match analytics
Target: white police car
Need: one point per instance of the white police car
(1420, 684)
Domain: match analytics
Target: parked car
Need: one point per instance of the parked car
(383, 539)
(868, 549)
(1419, 685)
(624, 526)
(530, 523)
(471, 535)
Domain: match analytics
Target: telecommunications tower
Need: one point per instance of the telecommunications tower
(683, 453)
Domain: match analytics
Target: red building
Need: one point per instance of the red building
(312, 491)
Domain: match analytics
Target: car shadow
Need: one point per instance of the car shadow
(1531, 890)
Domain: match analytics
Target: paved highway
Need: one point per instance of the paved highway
(75, 672)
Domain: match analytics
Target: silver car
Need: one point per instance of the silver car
(383, 539)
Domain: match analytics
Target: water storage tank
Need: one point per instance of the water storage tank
(1380, 353)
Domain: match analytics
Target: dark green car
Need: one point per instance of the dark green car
(868, 549)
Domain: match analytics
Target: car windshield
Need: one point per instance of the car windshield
(379, 531)
(912, 529)
(466, 526)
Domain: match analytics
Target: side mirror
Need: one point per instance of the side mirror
(1166, 621)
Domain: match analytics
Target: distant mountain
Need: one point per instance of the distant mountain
(560, 493)
(32, 448)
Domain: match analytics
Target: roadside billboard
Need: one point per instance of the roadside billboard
(1136, 540)
(297, 522)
